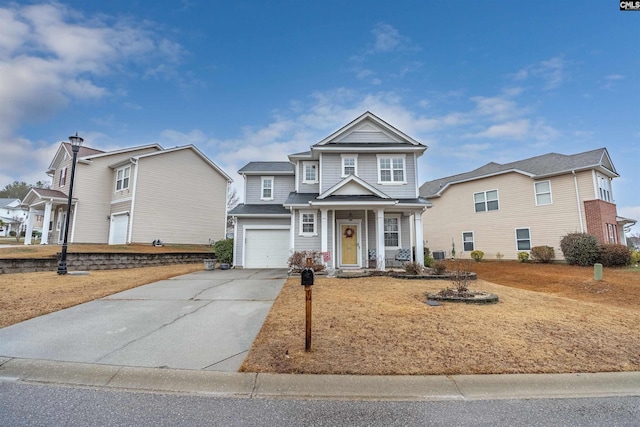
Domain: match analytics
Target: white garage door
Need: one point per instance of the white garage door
(266, 249)
(118, 231)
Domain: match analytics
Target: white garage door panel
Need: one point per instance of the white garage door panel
(266, 248)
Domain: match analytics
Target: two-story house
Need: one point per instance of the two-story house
(353, 197)
(12, 217)
(133, 195)
(510, 208)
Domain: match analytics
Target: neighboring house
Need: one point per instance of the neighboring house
(353, 197)
(510, 208)
(133, 195)
(12, 217)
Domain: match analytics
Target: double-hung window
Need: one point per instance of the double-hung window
(543, 192)
(310, 172)
(604, 188)
(467, 241)
(63, 177)
(349, 164)
(267, 188)
(392, 232)
(391, 169)
(523, 239)
(486, 201)
(308, 223)
(122, 178)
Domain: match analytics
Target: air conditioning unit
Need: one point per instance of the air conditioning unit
(438, 255)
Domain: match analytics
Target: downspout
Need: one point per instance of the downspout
(575, 181)
(133, 199)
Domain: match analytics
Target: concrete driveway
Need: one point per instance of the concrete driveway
(205, 320)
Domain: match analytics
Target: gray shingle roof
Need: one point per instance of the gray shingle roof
(270, 167)
(265, 210)
(539, 166)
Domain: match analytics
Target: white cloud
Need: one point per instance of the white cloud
(552, 71)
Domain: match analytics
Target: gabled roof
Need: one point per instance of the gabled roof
(86, 154)
(353, 185)
(259, 210)
(4, 203)
(37, 196)
(260, 168)
(538, 167)
(311, 199)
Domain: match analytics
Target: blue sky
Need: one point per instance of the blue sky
(476, 81)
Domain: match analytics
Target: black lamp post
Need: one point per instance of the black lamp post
(76, 142)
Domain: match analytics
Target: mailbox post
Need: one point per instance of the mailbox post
(306, 280)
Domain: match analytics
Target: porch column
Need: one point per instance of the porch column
(292, 232)
(45, 224)
(419, 238)
(380, 239)
(324, 238)
(30, 219)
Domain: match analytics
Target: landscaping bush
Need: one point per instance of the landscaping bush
(413, 268)
(477, 255)
(298, 261)
(428, 260)
(224, 251)
(439, 267)
(542, 254)
(499, 256)
(523, 256)
(635, 257)
(580, 248)
(614, 255)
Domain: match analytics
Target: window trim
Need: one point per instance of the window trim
(473, 241)
(535, 190)
(301, 231)
(391, 158)
(343, 157)
(604, 193)
(63, 177)
(304, 172)
(398, 217)
(127, 178)
(521, 240)
(263, 179)
(486, 201)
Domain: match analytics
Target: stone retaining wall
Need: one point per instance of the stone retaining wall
(101, 261)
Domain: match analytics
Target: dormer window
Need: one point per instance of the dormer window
(267, 188)
(310, 172)
(122, 178)
(349, 165)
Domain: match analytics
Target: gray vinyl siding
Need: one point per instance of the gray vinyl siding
(303, 187)
(260, 222)
(307, 243)
(199, 193)
(282, 186)
(368, 171)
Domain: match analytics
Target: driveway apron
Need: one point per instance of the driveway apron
(205, 320)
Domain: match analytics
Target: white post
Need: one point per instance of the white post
(30, 220)
(45, 223)
(324, 238)
(380, 239)
(419, 238)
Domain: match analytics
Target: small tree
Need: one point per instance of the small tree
(580, 248)
(224, 251)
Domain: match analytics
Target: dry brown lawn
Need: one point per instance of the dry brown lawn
(550, 318)
(23, 296)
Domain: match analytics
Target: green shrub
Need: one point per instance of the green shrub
(614, 255)
(580, 248)
(523, 256)
(224, 251)
(635, 257)
(428, 260)
(477, 255)
(439, 267)
(542, 254)
(298, 261)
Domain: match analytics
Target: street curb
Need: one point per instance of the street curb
(345, 387)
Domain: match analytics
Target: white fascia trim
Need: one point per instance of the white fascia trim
(358, 180)
(133, 199)
(389, 149)
(353, 203)
(262, 215)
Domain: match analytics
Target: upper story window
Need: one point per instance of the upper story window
(267, 188)
(486, 201)
(310, 172)
(543, 192)
(122, 178)
(349, 164)
(391, 169)
(604, 188)
(308, 223)
(63, 177)
(392, 231)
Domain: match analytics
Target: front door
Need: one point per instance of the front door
(349, 240)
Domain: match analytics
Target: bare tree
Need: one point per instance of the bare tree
(232, 199)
